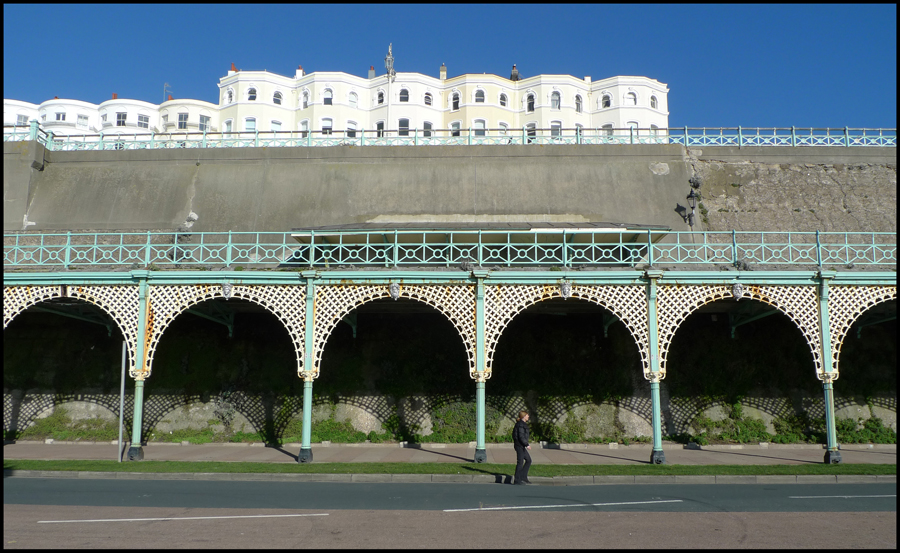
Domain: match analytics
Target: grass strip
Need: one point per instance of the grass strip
(442, 468)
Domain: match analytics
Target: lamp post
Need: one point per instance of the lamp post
(391, 74)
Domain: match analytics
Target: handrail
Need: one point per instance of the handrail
(544, 247)
(684, 136)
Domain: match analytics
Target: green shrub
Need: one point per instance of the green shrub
(337, 432)
(60, 426)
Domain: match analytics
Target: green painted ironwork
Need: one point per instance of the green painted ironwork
(543, 247)
(685, 136)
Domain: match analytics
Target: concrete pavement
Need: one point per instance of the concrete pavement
(567, 454)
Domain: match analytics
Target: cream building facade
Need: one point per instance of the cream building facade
(343, 104)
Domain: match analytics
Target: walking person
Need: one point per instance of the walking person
(520, 443)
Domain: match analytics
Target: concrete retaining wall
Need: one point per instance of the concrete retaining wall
(276, 189)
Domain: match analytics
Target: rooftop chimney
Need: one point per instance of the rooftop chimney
(233, 69)
(587, 79)
(57, 97)
(115, 96)
(299, 72)
(443, 71)
(170, 98)
(515, 74)
(371, 71)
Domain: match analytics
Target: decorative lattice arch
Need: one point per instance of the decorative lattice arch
(845, 305)
(287, 302)
(119, 302)
(799, 303)
(503, 302)
(457, 303)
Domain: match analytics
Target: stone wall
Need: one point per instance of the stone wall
(627, 418)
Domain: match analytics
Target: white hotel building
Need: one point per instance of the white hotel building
(333, 102)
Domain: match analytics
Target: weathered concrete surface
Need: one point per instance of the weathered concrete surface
(825, 189)
(276, 189)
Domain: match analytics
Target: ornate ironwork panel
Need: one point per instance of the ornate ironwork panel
(287, 302)
(455, 302)
(503, 302)
(119, 302)
(799, 303)
(845, 305)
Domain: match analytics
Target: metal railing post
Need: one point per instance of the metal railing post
(362, 133)
(818, 251)
(309, 138)
(631, 130)
(470, 136)
(685, 136)
(416, 136)
(846, 137)
(203, 141)
(33, 131)
(256, 139)
(650, 247)
(68, 248)
(396, 247)
(733, 248)
(147, 251)
(101, 141)
(793, 136)
(740, 138)
(152, 139)
(228, 251)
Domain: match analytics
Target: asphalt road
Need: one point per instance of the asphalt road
(161, 513)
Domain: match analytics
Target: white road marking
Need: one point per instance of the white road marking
(179, 518)
(831, 496)
(559, 506)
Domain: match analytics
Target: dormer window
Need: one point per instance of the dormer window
(277, 98)
(479, 97)
(251, 94)
(404, 95)
(327, 96)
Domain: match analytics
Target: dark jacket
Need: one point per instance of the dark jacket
(520, 434)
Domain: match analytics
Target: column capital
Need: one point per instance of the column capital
(653, 274)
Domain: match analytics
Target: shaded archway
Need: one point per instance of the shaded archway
(62, 351)
(393, 365)
(228, 364)
(744, 351)
(576, 368)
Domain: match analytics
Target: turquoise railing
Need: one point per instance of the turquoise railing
(733, 136)
(573, 248)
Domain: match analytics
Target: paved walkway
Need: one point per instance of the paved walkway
(587, 454)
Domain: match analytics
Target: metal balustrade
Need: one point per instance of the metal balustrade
(686, 136)
(544, 247)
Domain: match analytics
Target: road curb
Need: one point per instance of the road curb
(461, 478)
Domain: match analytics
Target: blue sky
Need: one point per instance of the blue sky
(756, 65)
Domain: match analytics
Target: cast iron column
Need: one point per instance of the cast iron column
(135, 451)
(657, 457)
(832, 454)
(480, 453)
(307, 371)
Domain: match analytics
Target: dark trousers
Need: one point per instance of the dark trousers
(523, 463)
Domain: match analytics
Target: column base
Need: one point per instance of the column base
(480, 456)
(658, 458)
(833, 457)
(305, 456)
(135, 453)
